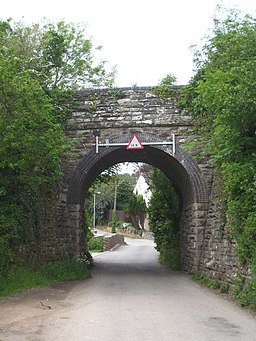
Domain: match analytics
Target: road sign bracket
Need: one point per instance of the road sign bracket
(140, 145)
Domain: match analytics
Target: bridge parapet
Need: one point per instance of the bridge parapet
(129, 108)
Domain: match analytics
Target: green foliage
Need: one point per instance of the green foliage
(164, 211)
(116, 95)
(31, 147)
(209, 282)
(224, 288)
(125, 189)
(165, 88)
(137, 205)
(114, 223)
(21, 279)
(105, 184)
(247, 296)
(244, 294)
(59, 55)
(40, 67)
(96, 244)
(222, 99)
(137, 210)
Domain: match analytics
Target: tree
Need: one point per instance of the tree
(137, 210)
(145, 170)
(105, 184)
(30, 150)
(164, 212)
(59, 56)
(40, 66)
(222, 99)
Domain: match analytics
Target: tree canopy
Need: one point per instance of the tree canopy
(40, 65)
(222, 99)
(106, 184)
(56, 54)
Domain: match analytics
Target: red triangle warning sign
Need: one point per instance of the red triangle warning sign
(134, 143)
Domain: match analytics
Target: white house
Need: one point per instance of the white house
(142, 188)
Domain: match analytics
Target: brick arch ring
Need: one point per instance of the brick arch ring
(180, 168)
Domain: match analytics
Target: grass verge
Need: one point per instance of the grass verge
(210, 283)
(21, 278)
(245, 296)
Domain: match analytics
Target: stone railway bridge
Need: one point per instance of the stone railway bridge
(114, 116)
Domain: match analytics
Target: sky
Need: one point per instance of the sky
(145, 39)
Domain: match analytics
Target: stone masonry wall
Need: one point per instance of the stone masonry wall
(110, 242)
(217, 257)
(112, 114)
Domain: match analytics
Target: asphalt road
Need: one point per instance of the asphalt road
(131, 297)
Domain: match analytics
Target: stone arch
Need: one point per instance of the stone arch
(180, 168)
(123, 112)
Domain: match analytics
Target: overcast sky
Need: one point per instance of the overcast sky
(145, 39)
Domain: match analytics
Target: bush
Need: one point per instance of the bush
(209, 282)
(164, 212)
(96, 244)
(5, 256)
(221, 97)
(170, 253)
(245, 294)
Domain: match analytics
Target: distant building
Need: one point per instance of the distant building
(142, 188)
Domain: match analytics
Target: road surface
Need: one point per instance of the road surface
(130, 297)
